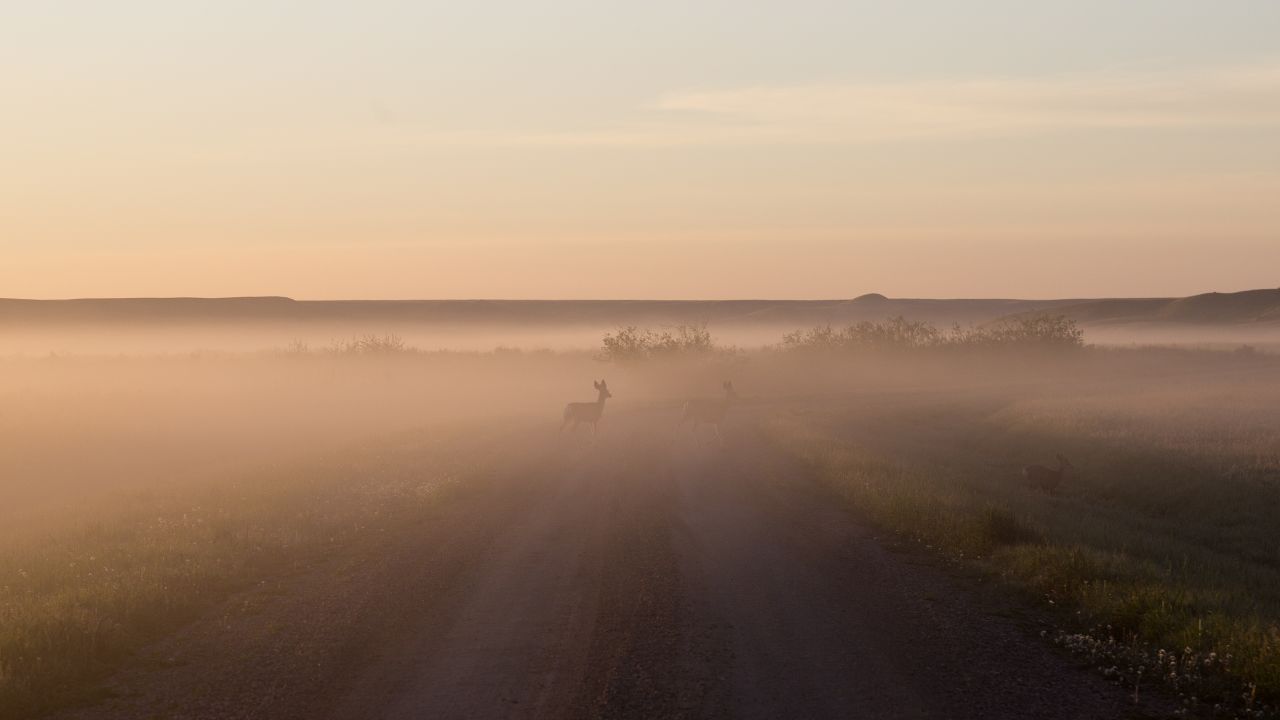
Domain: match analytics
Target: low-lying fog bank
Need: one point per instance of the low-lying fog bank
(164, 339)
(75, 427)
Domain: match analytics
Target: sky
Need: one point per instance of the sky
(600, 149)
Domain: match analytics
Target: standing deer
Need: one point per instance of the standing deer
(587, 412)
(705, 410)
(1047, 479)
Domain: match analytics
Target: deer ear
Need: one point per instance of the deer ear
(595, 384)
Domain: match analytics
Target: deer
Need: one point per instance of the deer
(587, 412)
(1047, 479)
(706, 410)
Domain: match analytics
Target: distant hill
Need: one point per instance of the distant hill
(1253, 308)
(607, 313)
(1250, 307)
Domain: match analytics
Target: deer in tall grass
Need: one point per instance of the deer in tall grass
(587, 412)
(710, 411)
(1047, 479)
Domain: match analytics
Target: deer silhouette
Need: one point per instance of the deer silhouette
(587, 412)
(1047, 479)
(710, 411)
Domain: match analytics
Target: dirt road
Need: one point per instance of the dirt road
(644, 576)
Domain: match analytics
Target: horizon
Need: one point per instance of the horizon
(859, 296)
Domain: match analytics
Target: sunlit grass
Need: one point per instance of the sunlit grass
(1163, 550)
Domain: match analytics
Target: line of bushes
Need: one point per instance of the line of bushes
(632, 344)
(1047, 332)
(1034, 332)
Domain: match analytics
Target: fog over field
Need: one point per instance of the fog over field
(102, 394)
(154, 467)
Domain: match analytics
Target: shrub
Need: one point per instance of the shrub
(632, 344)
(1028, 331)
(898, 333)
(390, 344)
(995, 526)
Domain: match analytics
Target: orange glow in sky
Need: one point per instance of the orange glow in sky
(594, 150)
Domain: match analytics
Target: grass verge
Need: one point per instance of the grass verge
(1151, 593)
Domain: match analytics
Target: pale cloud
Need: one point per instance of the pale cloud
(874, 112)
(885, 111)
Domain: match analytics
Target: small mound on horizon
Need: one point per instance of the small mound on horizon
(870, 296)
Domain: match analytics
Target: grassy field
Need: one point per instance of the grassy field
(76, 603)
(1160, 556)
(135, 492)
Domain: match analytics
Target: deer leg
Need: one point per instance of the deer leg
(719, 437)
